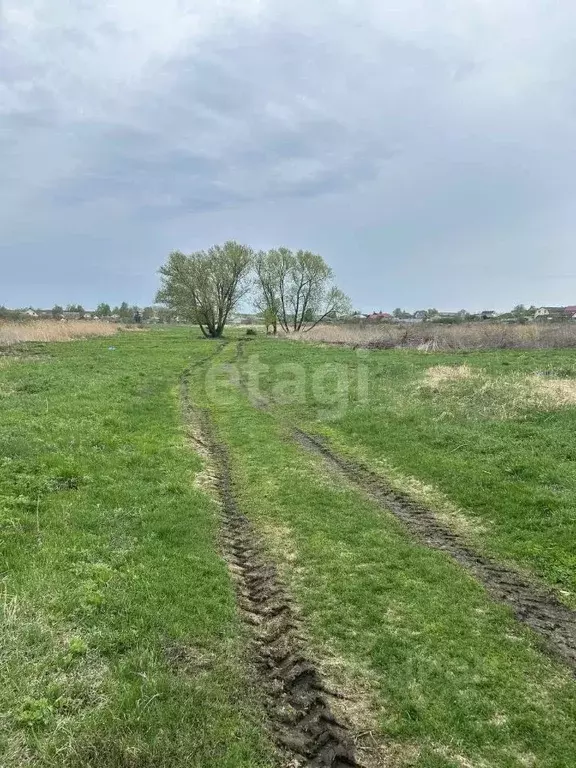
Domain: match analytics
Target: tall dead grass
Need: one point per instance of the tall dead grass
(431, 337)
(52, 330)
(479, 394)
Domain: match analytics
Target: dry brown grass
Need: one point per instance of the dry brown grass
(431, 337)
(482, 395)
(555, 392)
(53, 330)
(441, 373)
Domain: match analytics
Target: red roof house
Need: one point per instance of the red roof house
(380, 316)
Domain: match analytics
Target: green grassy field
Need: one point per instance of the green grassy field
(485, 437)
(121, 644)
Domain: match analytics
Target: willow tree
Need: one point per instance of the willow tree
(297, 288)
(205, 287)
(272, 278)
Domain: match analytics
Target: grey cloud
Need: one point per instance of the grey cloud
(422, 135)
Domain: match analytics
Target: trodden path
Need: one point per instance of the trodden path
(296, 700)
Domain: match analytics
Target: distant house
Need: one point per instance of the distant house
(31, 313)
(421, 314)
(449, 315)
(379, 316)
(550, 313)
(487, 314)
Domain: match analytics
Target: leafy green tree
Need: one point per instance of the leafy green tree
(165, 315)
(103, 310)
(270, 319)
(57, 311)
(123, 310)
(298, 288)
(135, 310)
(75, 308)
(206, 286)
(272, 270)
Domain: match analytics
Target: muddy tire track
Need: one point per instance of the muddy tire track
(300, 716)
(532, 604)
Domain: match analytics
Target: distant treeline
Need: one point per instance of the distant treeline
(122, 313)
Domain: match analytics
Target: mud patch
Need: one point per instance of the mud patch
(532, 604)
(297, 701)
(360, 706)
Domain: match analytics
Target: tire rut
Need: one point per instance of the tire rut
(532, 604)
(300, 716)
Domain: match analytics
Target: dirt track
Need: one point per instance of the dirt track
(300, 716)
(533, 605)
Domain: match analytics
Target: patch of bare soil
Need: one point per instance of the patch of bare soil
(301, 719)
(532, 604)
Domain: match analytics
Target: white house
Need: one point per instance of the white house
(550, 313)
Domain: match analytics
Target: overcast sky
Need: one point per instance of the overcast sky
(427, 148)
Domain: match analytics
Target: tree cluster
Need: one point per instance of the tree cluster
(292, 290)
